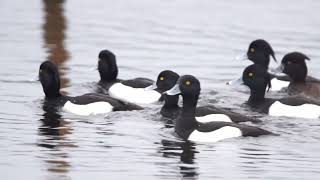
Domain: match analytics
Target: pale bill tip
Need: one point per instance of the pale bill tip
(235, 82)
(173, 91)
(241, 57)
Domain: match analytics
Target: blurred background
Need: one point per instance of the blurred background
(191, 37)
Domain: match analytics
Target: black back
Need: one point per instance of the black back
(138, 82)
(118, 105)
(298, 101)
(235, 117)
(263, 107)
(245, 129)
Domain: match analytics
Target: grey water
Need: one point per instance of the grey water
(188, 36)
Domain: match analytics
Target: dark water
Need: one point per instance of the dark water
(192, 37)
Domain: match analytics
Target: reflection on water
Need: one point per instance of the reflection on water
(53, 128)
(54, 35)
(186, 153)
(147, 37)
(53, 124)
(54, 131)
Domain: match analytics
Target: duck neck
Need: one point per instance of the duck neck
(108, 73)
(109, 76)
(51, 87)
(257, 96)
(298, 76)
(170, 101)
(266, 61)
(189, 105)
(187, 122)
(263, 60)
(52, 92)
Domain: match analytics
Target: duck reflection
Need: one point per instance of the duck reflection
(168, 122)
(54, 35)
(186, 165)
(52, 122)
(53, 130)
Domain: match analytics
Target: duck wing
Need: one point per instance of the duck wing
(235, 117)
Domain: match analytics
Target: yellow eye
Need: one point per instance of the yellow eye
(289, 62)
(250, 74)
(252, 50)
(188, 83)
(161, 78)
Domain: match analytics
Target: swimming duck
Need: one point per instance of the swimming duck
(126, 90)
(257, 79)
(165, 81)
(259, 52)
(170, 109)
(108, 70)
(188, 128)
(294, 65)
(82, 105)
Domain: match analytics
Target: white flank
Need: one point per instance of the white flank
(310, 111)
(214, 136)
(277, 85)
(88, 109)
(133, 95)
(213, 117)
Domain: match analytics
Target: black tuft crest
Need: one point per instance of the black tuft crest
(298, 56)
(263, 44)
(259, 52)
(269, 86)
(294, 65)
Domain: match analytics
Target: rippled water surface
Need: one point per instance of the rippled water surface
(191, 37)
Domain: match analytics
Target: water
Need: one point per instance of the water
(188, 36)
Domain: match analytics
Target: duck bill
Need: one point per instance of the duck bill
(151, 87)
(173, 91)
(236, 82)
(242, 57)
(278, 70)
